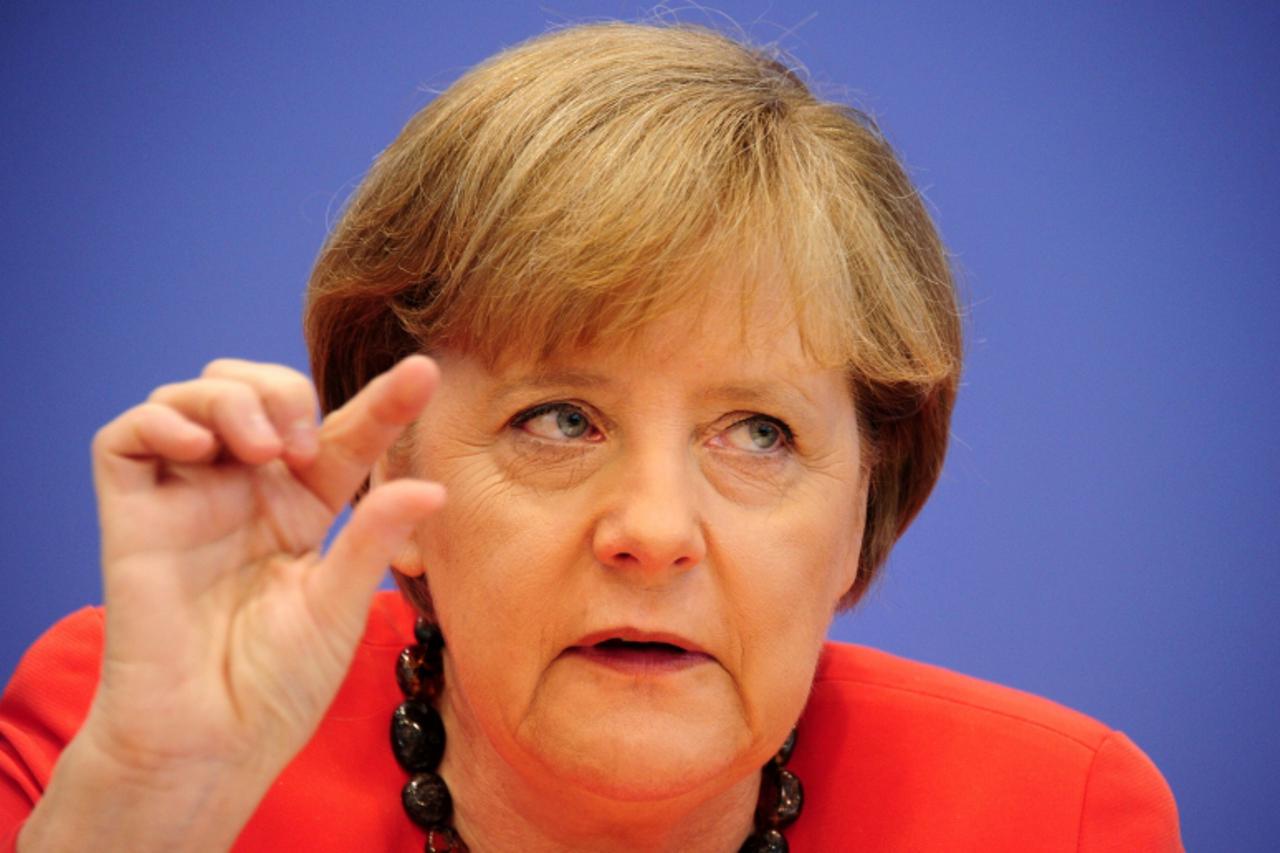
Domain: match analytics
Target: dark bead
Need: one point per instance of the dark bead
(445, 839)
(416, 677)
(417, 736)
(783, 755)
(428, 636)
(426, 799)
(769, 841)
(781, 798)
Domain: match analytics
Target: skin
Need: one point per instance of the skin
(227, 633)
(650, 485)
(679, 510)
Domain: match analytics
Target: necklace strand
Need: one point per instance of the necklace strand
(418, 741)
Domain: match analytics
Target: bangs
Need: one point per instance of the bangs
(539, 205)
(556, 291)
(613, 209)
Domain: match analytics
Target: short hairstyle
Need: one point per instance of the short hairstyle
(570, 189)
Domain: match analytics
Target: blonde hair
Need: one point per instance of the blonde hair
(572, 188)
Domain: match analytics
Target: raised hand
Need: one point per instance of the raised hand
(227, 632)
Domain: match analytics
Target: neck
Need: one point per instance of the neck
(497, 807)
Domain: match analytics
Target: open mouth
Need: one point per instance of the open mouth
(640, 656)
(617, 645)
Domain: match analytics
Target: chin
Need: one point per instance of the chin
(635, 755)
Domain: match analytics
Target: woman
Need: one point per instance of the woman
(693, 350)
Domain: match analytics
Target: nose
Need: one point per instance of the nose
(651, 521)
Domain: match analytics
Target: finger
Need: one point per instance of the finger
(353, 437)
(127, 451)
(232, 410)
(288, 397)
(342, 585)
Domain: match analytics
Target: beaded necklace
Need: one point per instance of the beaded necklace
(418, 739)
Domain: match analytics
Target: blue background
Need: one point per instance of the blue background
(1107, 177)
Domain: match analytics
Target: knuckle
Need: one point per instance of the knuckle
(102, 439)
(298, 393)
(164, 392)
(108, 434)
(228, 394)
(284, 390)
(218, 367)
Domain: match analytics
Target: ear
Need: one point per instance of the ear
(848, 569)
(381, 471)
(408, 561)
(847, 573)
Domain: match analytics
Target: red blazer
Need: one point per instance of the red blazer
(894, 756)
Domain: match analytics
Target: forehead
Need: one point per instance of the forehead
(727, 349)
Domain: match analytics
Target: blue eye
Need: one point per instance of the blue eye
(764, 435)
(555, 421)
(572, 422)
(758, 434)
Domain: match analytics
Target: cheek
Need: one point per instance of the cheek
(483, 548)
(496, 562)
(790, 571)
(800, 557)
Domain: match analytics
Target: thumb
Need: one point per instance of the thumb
(343, 583)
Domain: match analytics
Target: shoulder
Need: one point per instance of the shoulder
(43, 706)
(872, 679)
(58, 673)
(983, 762)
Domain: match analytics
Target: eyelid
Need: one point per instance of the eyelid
(778, 422)
(787, 443)
(536, 411)
(532, 412)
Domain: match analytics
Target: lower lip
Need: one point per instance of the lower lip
(640, 662)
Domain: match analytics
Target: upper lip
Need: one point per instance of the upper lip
(639, 635)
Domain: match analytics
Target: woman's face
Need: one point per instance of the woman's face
(641, 550)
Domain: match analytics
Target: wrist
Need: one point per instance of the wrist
(96, 801)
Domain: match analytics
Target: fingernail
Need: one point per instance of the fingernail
(302, 438)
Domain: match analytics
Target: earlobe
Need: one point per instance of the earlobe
(848, 575)
(378, 474)
(853, 562)
(408, 561)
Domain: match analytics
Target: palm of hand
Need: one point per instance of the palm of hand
(227, 632)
